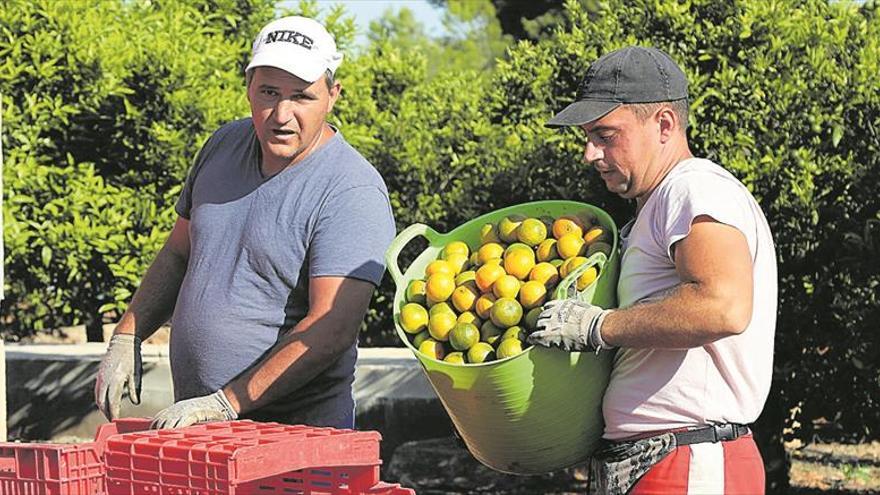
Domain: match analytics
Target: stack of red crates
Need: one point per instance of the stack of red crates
(226, 458)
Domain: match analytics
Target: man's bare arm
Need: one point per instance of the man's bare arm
(713, 301)
(336, 308)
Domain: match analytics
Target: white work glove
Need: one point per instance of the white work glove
(571, 325)
(120, 368)
(214, 407)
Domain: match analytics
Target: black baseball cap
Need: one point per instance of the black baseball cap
(635, 74)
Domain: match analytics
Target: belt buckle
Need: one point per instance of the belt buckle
(723, 432)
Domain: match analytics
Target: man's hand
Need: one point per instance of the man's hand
(571, 325)
(121, 367)
(214, 407)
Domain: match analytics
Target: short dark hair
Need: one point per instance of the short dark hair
(644, 110)
(328, 78)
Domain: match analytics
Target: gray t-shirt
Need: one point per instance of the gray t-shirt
(255, 241)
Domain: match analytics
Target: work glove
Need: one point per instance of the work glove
(214, 407)
(120, 368)
(571, 325)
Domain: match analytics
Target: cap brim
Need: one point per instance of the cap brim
(582, 112)
(307, 70)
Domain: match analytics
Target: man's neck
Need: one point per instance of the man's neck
(668, 160)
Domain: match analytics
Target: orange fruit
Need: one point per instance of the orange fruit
(454, 247)
(588, 277)
(474, 259)
(413, 318)
(458, 262)
(545, 273)
(440, 307)
(567, 224)
(439, 266)
(432, 349)
(489, 251)
(455, 358)
(489, 234)
(487, 275)
(506, 286)
(519, 263)
(489, 333)
(440, 324)
(439, 287)
(516, 332)
(515, 246)
(463, 336)
(546, 251)
(509, 348)
(464, 277)
(595, 234)
(464, 296)
(532, 294)
(570, 245)
(484, 305)
(421, 337)
(570, 264)
(415, 291)
(557, 262)
(531, 232)
(506, 312)
(531, 319)
(481, 352)
(507, 227)
(468, 317)
(599, 246)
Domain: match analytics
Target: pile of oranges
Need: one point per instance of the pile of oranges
(478, 304)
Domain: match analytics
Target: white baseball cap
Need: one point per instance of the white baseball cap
(298, 45)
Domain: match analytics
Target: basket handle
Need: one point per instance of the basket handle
(399, 242)
(567, 287)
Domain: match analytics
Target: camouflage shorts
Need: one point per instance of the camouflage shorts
(617, 466)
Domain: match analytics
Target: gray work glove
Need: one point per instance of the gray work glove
(120, 368)
(571, 325)
(214, 407)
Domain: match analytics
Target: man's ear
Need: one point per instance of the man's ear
(668, 122)
(334, 91)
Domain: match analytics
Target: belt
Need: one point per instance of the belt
(714, 434)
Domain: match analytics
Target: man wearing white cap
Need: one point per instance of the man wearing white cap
(270, 267)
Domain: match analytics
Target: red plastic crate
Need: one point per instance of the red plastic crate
(47, 469)
(242, 458)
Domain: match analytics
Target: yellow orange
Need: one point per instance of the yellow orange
(531, 318)
(490, 333)
(439, 266)
(464, 277)
(531, 232)
(458, 262)
(415, 291)
(489, 234)
(570, 264)
(413, 318)
(506, 312)
(489, 251)
(595, 234)
(509, 348)
(587, 278)
(487, 275)
(421, 337)
(546, 251)
(454, 247)
(567, 224)
(506, 286)
(439, 287)
(440, 307)
(519, 263)
(432, 349)
(545, 273)
(570, 245)
(469, 317)
(456, 357)
(463, 336)
(464, 296)
(507, 227)
(484, 304)
(532, 294)
(481, 352)
(440, 324)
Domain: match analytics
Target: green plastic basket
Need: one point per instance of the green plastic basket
(538, 411)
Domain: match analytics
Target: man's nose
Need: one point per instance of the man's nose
(284, 111)
(592, 152)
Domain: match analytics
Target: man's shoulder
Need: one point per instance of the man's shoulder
(351, 167)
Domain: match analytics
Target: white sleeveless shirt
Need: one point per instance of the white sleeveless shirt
(726, 381)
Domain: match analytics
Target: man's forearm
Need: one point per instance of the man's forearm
(297, 358)
(689, 316)
(154, 300)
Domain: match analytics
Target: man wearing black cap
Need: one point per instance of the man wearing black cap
(697, 292)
